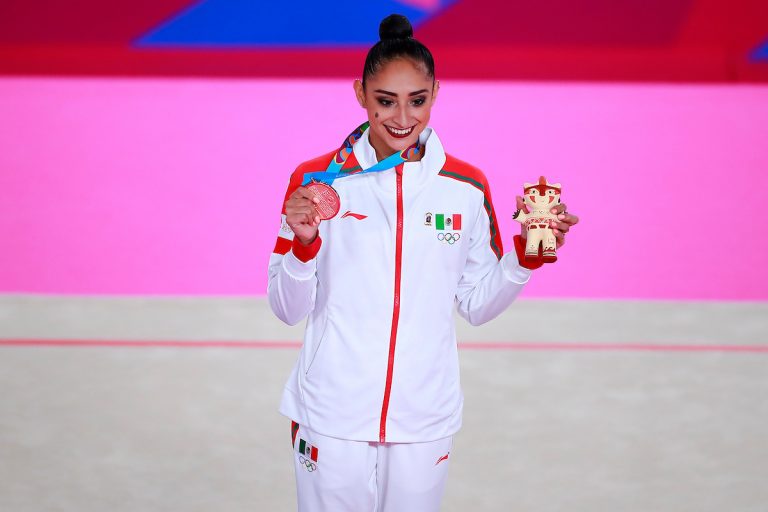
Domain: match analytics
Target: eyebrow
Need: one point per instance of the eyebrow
(388, 93)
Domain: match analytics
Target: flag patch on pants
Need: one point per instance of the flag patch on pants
(308, 450)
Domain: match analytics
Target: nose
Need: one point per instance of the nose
(402, 117)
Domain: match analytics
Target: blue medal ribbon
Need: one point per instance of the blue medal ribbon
(337, 162)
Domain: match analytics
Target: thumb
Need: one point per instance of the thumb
(520, 203)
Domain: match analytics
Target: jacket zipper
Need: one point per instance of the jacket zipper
(396, 306)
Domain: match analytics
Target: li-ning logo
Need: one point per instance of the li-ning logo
(441, 459)
(357, 216)
(449, 238)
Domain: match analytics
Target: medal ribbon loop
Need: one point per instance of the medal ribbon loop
(337, 162)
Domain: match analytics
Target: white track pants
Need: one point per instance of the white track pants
(336, 475)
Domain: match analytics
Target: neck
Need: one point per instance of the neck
(383, 151)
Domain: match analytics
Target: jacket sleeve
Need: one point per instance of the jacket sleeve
(490, 282)
(292, 270)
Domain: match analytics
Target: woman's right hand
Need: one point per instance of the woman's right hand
(301, 215)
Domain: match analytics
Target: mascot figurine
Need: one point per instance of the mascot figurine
(536, 216)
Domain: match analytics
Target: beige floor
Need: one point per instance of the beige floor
(195, 429)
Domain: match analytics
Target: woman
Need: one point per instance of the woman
(375, 396)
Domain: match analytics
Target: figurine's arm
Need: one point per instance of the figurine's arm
(520, 216)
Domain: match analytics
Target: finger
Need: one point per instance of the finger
(519, 202)
(302, 192)
(299, 219)
(299, 206)
(560, 226)
(571, 219)
(299, 202)
(559, 209)
(300, 210)
(305, 193)
(313, 219)
(559, 238)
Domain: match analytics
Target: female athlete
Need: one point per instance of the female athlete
(374, 397)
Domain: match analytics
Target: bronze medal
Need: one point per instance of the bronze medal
(329, 204)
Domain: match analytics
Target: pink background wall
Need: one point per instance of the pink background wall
(141, 186)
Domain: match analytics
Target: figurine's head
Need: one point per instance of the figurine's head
(542, 194)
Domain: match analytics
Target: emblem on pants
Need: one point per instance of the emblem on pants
(308, 455)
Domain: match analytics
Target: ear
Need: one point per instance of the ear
(435, 89)
(359, 92)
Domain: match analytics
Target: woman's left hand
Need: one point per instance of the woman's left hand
(565, 221)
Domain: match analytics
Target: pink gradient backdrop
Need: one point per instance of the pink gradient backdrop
(144, 186)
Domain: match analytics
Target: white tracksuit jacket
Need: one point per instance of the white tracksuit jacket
(379, 360)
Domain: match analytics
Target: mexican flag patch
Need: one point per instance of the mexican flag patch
(445, 221)
(308, 450)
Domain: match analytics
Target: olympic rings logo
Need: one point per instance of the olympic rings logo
(450, 238)
(308, 464)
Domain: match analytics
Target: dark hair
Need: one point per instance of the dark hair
(396, 41)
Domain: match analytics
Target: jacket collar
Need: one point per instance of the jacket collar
(433, 160)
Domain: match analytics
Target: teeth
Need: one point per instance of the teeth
(400, 132)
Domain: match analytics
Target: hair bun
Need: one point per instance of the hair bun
(395, 26)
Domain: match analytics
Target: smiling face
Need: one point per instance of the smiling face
(540, 198)
(398, 99)
(542, 194)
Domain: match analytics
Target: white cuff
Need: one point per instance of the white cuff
(297, 269)
(512, 269)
